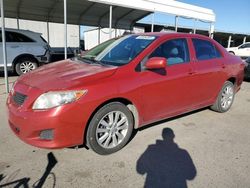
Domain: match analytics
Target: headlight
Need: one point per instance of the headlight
(57, 98)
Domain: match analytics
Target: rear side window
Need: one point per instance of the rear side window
(17, 37)
(205, 50)
(0, 36)
(245, 45)
(175, 51)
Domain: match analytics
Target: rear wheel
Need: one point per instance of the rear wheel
(25, 64)
(110, 128)
(225, 98)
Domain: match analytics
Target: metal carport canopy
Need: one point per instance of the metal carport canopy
(96, 12)
(165, 6)
(79, 12)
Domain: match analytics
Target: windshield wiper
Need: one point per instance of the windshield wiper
(92, 60)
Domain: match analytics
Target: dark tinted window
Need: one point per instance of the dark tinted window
(0, 36)
(175, 51)
(248, 60)
(17, 37)
(245, 45)
(205, 50)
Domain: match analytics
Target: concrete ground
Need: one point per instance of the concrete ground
(209, 150)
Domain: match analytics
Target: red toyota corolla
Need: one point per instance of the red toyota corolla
(136, 80)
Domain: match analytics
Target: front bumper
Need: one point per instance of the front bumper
(67, 122)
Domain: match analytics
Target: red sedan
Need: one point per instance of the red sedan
(98, 100)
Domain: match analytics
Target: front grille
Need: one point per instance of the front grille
(19, 98)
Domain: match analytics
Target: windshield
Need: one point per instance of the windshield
(123, 50)
(92, 53)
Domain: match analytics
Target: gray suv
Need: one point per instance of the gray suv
(26, 50)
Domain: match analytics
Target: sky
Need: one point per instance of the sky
(231, 16)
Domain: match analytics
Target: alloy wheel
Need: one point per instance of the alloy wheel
(227, 97)
(27, 66)
(112, 129)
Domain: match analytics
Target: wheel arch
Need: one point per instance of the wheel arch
(122, 100)
(22, 56)
(232, 79)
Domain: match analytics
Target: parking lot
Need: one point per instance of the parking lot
(209, 150)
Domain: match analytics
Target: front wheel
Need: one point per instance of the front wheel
(110, 128)
(225, 98)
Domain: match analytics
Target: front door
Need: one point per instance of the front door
(168, 91)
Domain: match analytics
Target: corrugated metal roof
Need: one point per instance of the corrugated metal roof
(167, 7)
(96, 12)
(80, 12)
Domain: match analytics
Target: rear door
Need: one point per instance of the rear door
(17, 44)
(208, 65)
(167, 91)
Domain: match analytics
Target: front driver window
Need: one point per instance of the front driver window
(175, 51)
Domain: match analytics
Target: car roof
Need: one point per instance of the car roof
(21, 31)
(172, 34)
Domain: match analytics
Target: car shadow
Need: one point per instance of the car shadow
(24, 182)
(10, 74)
(165, 164)
(171, 119)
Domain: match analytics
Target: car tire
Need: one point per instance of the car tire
(110, 128)
(225, 98)
(25, 64)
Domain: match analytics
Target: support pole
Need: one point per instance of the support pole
(48, 35)
(110, 21)
(176, 23)
(99, 35)
(79, 38)
(153, 22)
(211, 30)
(229, 41)
(4, 48)
(65, 30)
(194, 29)
(18, 23)
(244, 40)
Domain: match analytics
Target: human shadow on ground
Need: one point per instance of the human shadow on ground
(165, 164)
(24, 182)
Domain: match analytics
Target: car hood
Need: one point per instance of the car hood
(66, 74)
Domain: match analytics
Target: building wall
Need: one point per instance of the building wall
(56, 31)
(92, 38)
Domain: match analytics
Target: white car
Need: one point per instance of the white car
(243, 50)
(26, 50)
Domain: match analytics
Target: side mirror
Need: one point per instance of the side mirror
(156, 63)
